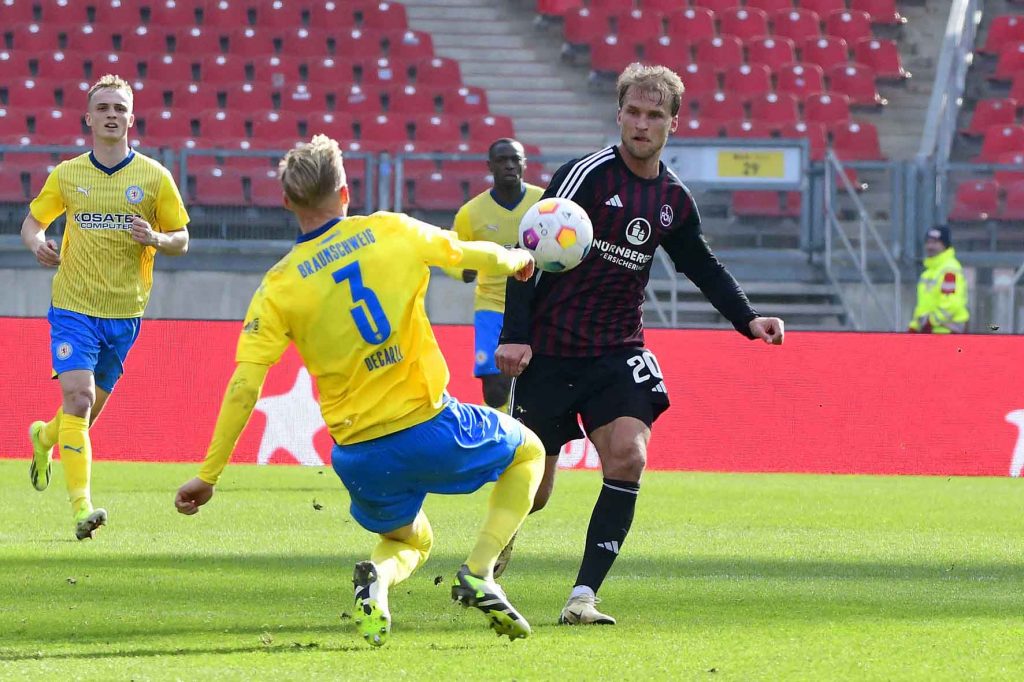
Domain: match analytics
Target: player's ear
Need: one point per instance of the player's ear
(286, 201)
(343, 192)
(675, 124)
(131, 119)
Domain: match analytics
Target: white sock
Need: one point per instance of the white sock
(581, 590)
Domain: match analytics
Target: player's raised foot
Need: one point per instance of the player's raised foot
(87, 521)
(582, 610)
(373, 620)
(502, 561)
(42, 456)
(486, 595)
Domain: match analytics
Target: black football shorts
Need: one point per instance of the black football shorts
(554, 394)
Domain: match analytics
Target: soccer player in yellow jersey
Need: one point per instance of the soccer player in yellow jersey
(494, 216)
(349, 295)
(121, 208)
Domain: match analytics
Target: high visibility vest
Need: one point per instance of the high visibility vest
(941, 296)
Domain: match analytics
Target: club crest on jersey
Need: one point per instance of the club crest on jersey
(64, 350)
(133, 194)
(666, 215)
(638, 231)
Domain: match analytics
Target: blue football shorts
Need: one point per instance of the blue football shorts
(456, 452)
(486, 332)
(98, 344)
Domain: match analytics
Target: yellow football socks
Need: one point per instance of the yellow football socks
(48, 435)
(397, 557)
(76, 457)
(510, 502)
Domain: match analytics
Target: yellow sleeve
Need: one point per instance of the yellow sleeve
(463, 229)
(239, 399)
(49, 203)
(171, 215)
(443, 249)
(265, 334)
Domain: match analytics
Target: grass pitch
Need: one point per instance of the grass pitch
(742, 577)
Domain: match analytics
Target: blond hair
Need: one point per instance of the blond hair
(313, 172)
(111, 82)
(659, 79)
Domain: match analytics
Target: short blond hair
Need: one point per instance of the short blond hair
(313, 172)
(111, 82)
(659, 79)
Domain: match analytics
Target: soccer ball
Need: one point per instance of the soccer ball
(557, 232)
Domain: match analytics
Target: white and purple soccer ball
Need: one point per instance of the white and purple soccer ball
(557, 232)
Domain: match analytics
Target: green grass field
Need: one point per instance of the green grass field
(741, 577)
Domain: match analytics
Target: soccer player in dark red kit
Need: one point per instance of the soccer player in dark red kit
(574, 340)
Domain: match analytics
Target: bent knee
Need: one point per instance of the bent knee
(625, 464)
(79, 401)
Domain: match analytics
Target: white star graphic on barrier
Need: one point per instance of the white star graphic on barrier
(293, 419)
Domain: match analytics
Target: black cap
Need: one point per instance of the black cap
(940, 232)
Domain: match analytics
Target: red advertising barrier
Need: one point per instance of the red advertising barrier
(824, 402)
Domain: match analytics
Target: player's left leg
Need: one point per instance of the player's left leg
(44, 436)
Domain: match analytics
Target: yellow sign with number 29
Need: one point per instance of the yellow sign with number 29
(751, 164)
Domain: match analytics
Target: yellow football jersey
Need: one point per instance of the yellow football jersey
(482, 218)
(103, 271)
(349, 295)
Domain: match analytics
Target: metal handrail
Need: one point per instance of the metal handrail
(867, 230)
(1018, 275)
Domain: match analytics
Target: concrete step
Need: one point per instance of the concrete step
(495, 70)
(566, 140)
(518, 83)
(448, 19)
(488, 41)
(543, 98)
(523, 115)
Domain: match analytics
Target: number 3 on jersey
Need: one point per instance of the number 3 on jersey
(374, 328)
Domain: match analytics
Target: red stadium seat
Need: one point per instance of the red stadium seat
(799, 25)
(826, 52)
(281, 14)
(276, 130)
(827, 108)
(857, 141)
(692, 25)
(880, 11)
(337, 124)
(303, 99)
(331, 72)
(12, 189)
(437, 72)
(412, 100)
(823, 7)
(410, 46)
(382, 132)
(881, 55)
(799, 79)
(746, 23)
(1003, 30)
(224, 70)
(227, 14)
(361, 102)
(637, 26)
(63, 11)
(310, 44)
(175, 12)
(357, 44)
(663, 6)
(52, 65)
(34, 37)
(196, 42)
(435, 192)
(55, 125)
(772, 51)
(1009, 177)
(583, 25)
(149, 96)
(1000, 141)
(1014, 209)
(145, 41)
(721, 107)
(248, 97)
(609, 56)
(384, 16)
(775, 110)
(975, 200)
(31, 93)
(278, 72)
(697, 127)
(222, 128)
(557, 8)
(380, 72)
(991, 112)
(250, 42)
(815, 134)
(700, 80)
(166, 128)
(850, 25)
(668, 51)
(1010, 62)
(770, 6)
(195, 97)
(441, 131)
(264, 189)
(17, 13)
(89, 38)
(466, 101)
(334, 15)
(857, 82)
(717, 6)
(765, 204)
(218, 187)
(747, 129)
(720, 52)
(490, 128)
(171, 69)
(748, 81)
